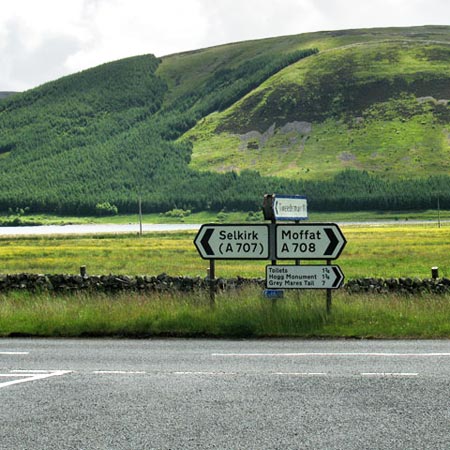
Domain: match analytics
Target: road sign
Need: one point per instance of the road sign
(309, 241)
(290, 207)
(285, 207)
(304, 277)
(273, 294)
(233, 241)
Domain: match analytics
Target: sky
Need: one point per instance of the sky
(42, 40)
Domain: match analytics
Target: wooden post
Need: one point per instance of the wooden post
(329, 292)
(297, 261)
(435, 272)
(83, 271)
(211, 273)
(272, 242)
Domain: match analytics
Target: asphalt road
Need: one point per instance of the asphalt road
(220, 394)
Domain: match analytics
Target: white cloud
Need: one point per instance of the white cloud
(235, 20)
(45, 39)
(117, 29)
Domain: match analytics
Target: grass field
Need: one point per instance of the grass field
(376, 251)
(385, 251)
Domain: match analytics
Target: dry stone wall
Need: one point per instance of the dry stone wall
(117, 283)
(166, 283)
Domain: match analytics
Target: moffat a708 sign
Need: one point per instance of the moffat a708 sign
(309, 241)
(216, 241)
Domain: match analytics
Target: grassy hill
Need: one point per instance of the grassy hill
(209, 129)
(379, 105)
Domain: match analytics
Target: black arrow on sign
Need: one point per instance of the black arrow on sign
(334, 241)
(205, 241)
(339, 277)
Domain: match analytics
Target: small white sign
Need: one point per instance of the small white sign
(304, 277)
(290, 207)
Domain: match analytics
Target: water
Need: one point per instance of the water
(148, 228)
(93, 229)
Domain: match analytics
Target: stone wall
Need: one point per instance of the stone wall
(166, 283)
(398, 285)
(116, 283)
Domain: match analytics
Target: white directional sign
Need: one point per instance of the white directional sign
(215, 241)
(309, 241)
(304, 277)
(290, 207)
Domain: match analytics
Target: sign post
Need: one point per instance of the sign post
(231, 241)
(294, 241)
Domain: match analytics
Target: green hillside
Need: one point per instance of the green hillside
(5, 94)
(209, 129)
(380, 106)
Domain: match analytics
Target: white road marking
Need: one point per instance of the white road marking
(338, 354)
(204, 373)
(300, 374)
(117, 372)
(9, 375)
(31, 375)
(390, 374)
(14, 353)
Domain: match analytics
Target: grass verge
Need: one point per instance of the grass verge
(243, 314)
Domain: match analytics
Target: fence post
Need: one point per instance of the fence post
(329, 292)
(435, 272)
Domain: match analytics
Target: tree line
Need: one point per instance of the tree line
(95, 141)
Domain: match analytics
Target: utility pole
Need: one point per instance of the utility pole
(140, 215)
(439, 212)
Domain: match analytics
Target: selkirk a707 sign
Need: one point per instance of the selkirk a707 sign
(215, 241)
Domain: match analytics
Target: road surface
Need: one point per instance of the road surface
(224, 394)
